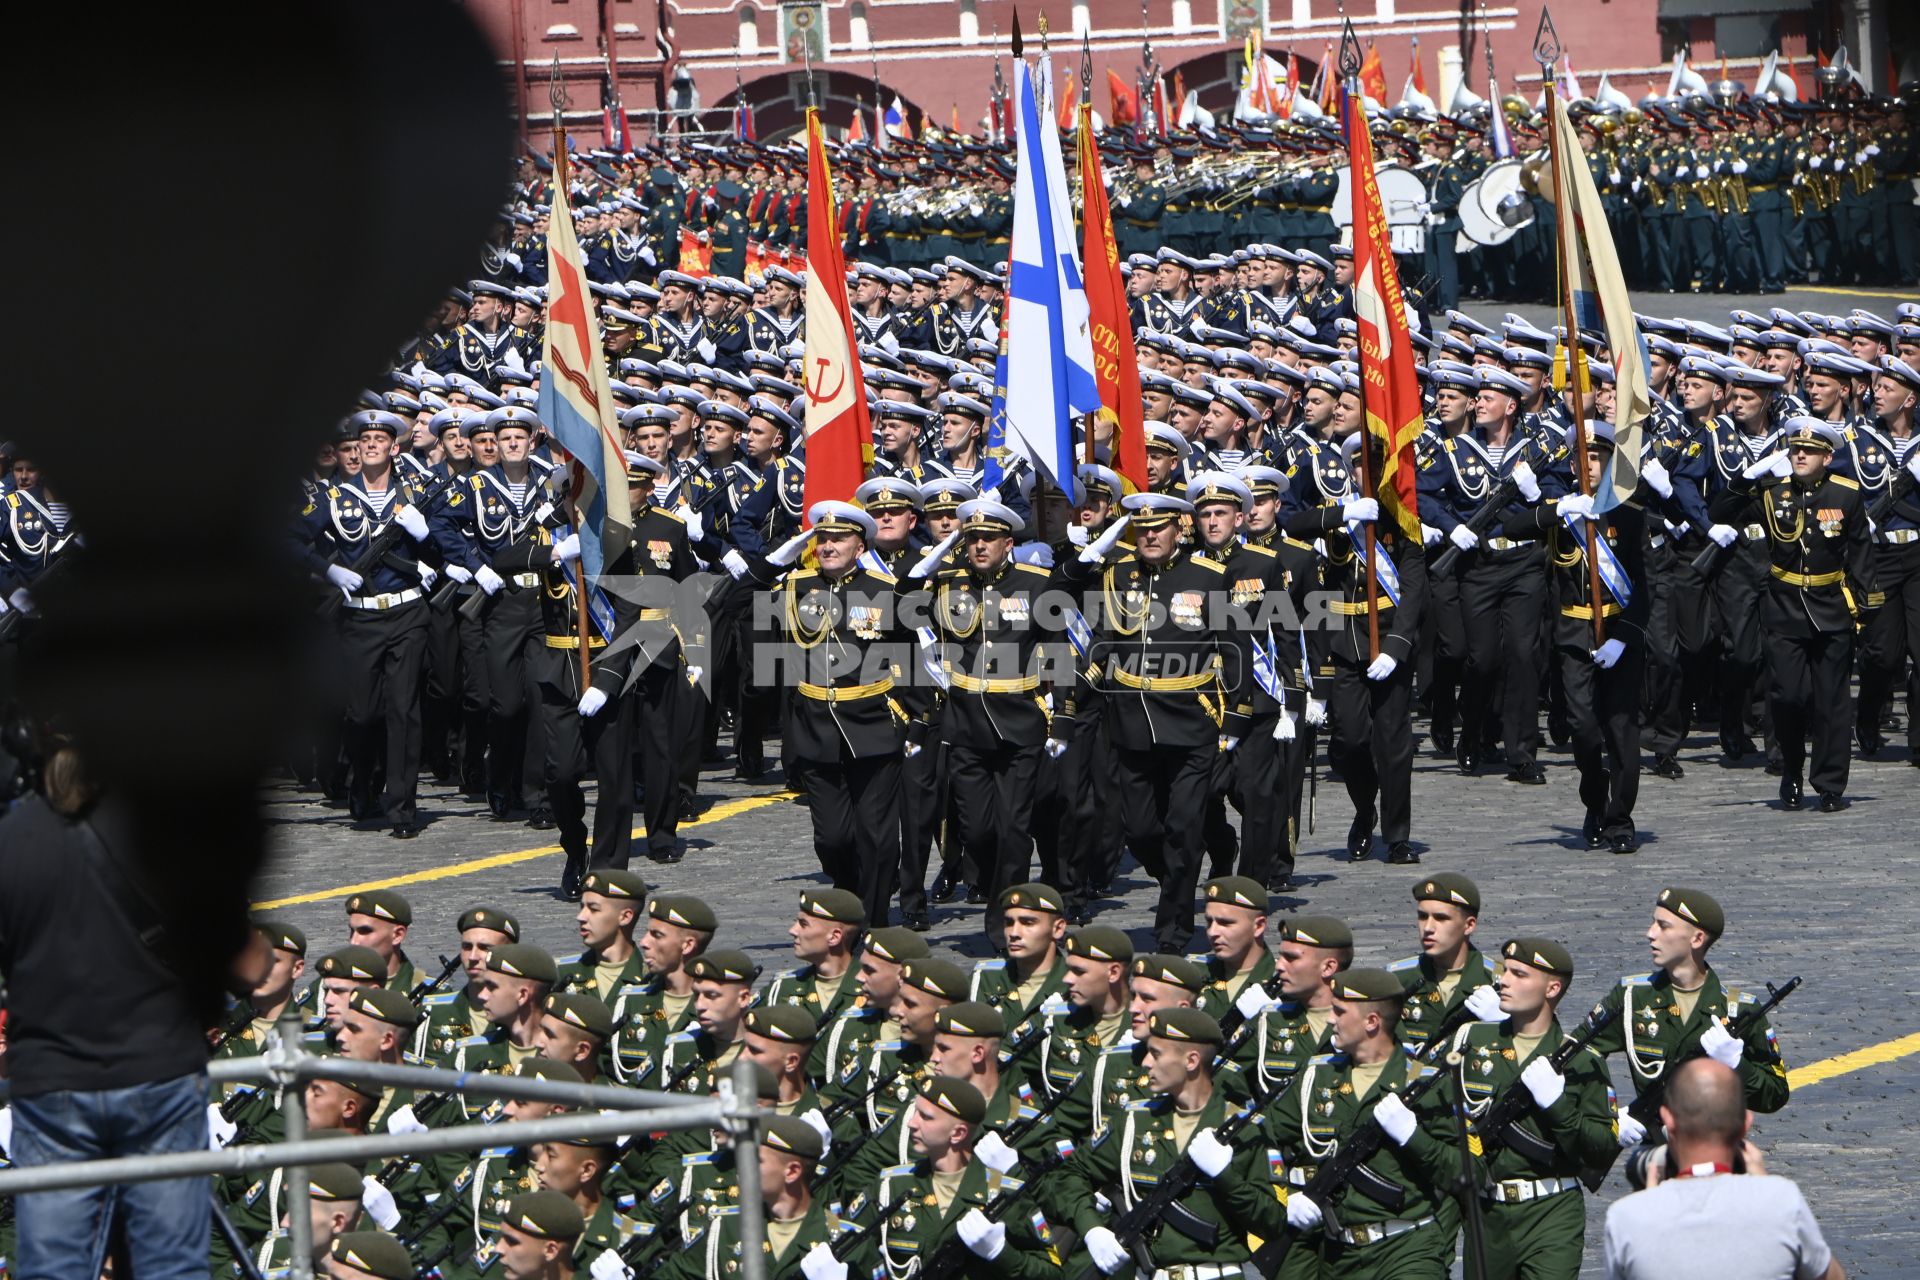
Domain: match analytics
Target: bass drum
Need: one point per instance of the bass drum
(1490, 200)
(1401, 194)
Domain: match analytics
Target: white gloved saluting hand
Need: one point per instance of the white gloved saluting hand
(1484, 1004)
(1096, 551)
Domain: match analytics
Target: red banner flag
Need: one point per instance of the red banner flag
(838, 430)
(696, 259)
(1123, 102)
(1373, 75)
(856, 131)
(1116, 369)
(1392, 391)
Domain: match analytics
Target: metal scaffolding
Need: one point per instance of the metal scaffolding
(602, 1111)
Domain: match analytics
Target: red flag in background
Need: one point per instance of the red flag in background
(1293, 83)
(1116, 368)
(1419, 71)
(958, 132)
(1123, 102)
(857, 130)
(1066, 87)
(838, 430)
(1373, 75)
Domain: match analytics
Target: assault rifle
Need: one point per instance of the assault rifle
(1496, 1125)
(1646, 1107)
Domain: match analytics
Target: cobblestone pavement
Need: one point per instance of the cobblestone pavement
(1833, 898)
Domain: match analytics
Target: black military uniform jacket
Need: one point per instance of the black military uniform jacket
(1624, 531)
(990, 629)
(1821, 576)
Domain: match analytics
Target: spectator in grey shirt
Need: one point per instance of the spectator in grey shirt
(1719, 1212)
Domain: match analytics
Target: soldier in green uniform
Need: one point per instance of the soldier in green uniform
(780, 1038)
(800, 1229)
(611, 900)
(1136, 217)
(335, 1191)
(577, 1169)
(368, 1255)
(679, 928)
(574, 1028)
(1388, 1219)
(1097, 1016)
(729, 232)
(512, 995)
(376, 1027)
(844, 1038)
(1682, 1006)
(1236, 1196)
(1237, 959)
(826, 939)
(452, 1016)
(881, 1078)
(244, 1034)
(485, 1182)
(1030, 977)
(379, 920)
(1314, 950)
(1449, 970)
(340, 974)
(694, 1060)
(1116, 1077)
(540, 1236)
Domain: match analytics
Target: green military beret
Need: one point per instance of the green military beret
(723, 966)
(795, 1137)
(1695, 907)
(614, 882)
(361, 964)
(1100, 942)
(678, 909)
(547, 1214)
(935, 977)
(1237, 891)
(1451, 888)
(335, 1181)
(957, 1098)
(1368, 985)
(836, 905)
(381, 904)
(545, 1069)
(374, 1252)
(1190, 1026)
(787, 1023)
(897, 943)
(1316, 931)
(489, 918)
(578, 1009)
(371, 1092)
(283, 937)
(522, 960)
(385, 1005)
(970, 1018)
(1034, 897)
(1179, 971)
(1540, 953)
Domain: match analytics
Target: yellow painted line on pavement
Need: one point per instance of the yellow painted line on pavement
(719, 813)
(1853, 293)
(1873, 1055)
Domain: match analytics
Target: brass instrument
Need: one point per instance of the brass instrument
(1733, 187)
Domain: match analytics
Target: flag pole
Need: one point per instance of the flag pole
(557, 95)
(1546, 52)
(1350, 84)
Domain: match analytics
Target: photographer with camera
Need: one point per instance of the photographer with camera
(1713, 1207)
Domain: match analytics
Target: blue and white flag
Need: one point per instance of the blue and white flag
(1050, 377)
(1498, 138)
(1266, 667)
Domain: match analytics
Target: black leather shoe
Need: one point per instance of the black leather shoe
(1790, 793)
(1625, 842)
(1665, 766)
(1871, 742)
(1443, 739)
(1468, 760)
(540, 820)
(1402, 854)
(976, 896)
(1737, 748)
(499, 804)
(1531, 775)
(1360, 838)
(1830, 803)
(1280, 884)
(1593, 831)
(572, 875)
(404, 831)
(944, 887)
(918, 921)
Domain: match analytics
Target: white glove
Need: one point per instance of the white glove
(1814, 162)
(1077, 535)
(1656, 477)
(220, 1130)
(1576, 504)
(567, 548)
(338, 574)
(1613, 176)
(1254, 1001)
(1871, 150)
(609, 1267)
(707, 350)
(816, 1120)
(1723, 534)
(1717, 1043)
(1607, 654)
(820, 1264)
(1055, 748)
(404, 1121)
(927, 563)
(1394, 1119)
(694, 672)
(1316, 714)
(1359, 509)
(1104, 1248)
(734, 563)
(1632, 1132)
(1543, 1082)
(1739, 166)
(1303, 1212)
(993, 1152)
(1719, 166)
(1228, 742)
(1429, 535)
(1209, 1155)
(1096, 551)
(1463, 538)
(460, 573)
(1382, 667)
(1484, 1004)
(378, 1202)
(410, 519)
(980, 1234)
(1913, 464)
(910, 749)
(1524, 477)
(1682, 171)
(1774, 464)
(789, 551)
(1284, 729)
(591, 701)
(1839, 163)
(489, 581)
(696, 525)
(428, 574)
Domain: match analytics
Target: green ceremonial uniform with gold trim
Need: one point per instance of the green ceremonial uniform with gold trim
(1653, 1032)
